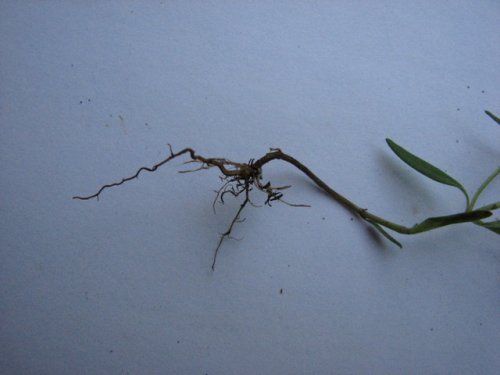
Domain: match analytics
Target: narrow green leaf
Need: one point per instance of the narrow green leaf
(385, 234)
(425, 168)
(492, 225)
(441, 221)
(495, 118)
(490, 207)
(483, 186)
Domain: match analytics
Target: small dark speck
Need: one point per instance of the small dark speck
(458, 109)
(111, 351)
(288, 266)
(468, 87)
(110, 115)
(480, 323)
(457, 141)
(178, 342)
(281, 291)
(482, 91)
(88, 100)
(81, 102)
(322, 218)
(352, 219)
(72, 65)
(432, 329)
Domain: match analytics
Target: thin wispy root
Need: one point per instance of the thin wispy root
(242, 178)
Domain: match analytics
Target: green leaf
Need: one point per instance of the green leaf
(385, 234)
(483, 186)
(492, 225)
(425, 168)
(441, 221)
(490, 207)
(495, 118)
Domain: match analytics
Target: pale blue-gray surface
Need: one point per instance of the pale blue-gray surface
(91, 90)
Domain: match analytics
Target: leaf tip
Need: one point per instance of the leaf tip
(495, 118)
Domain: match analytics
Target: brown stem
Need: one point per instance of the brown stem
(277, 154)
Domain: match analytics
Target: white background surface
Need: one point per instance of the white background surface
(91, 90)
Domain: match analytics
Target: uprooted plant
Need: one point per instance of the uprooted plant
(240, 179)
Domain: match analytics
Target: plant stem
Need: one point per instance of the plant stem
(426, 225)
(483, 186)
